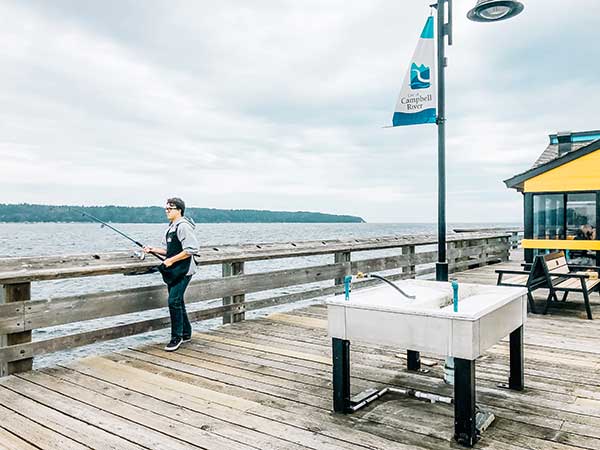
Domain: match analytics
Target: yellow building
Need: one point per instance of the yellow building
(561, 197)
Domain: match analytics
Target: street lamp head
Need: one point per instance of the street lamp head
(494, 10)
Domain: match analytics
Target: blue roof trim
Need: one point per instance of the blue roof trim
(584, 136)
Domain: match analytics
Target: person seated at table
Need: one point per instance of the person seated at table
(585, 232)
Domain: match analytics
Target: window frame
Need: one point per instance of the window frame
(565, 196)
(529, 216)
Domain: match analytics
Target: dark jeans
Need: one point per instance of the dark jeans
(180, 324)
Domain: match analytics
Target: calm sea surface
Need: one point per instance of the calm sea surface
(43, 239)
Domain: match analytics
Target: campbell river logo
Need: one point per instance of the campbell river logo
(420, 76)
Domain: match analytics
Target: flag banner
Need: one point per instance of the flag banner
(417, 101)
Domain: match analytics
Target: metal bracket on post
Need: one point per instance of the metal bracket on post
(448, 26)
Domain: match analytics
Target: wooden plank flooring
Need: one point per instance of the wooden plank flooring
(266, 384)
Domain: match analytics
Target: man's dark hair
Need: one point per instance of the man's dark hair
(178, 203)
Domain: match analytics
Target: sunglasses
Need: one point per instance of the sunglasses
(170, 208)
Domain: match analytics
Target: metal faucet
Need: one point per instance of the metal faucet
(379, 277)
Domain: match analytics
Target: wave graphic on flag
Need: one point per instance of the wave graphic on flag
(417, 100)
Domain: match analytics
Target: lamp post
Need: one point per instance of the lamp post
(443, 29)
(484, 11)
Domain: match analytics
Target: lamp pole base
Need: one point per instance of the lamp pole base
(441, 271)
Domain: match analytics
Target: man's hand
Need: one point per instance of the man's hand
(148, 249)
(168, 262)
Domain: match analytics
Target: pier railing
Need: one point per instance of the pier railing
(516, 234)
(19, 315)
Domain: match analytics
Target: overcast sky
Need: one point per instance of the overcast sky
(279, 104)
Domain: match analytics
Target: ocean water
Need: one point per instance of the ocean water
(44, 239)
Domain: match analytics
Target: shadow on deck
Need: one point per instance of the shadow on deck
(266, 384)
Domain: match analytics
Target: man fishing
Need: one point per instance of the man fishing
(179, 245)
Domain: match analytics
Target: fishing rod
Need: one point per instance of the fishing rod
(104, 224)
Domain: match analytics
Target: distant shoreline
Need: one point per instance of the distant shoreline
(31, 213)
(195, 221)
(463, 225)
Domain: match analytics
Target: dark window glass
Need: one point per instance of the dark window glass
(581, 216)
(548, 216)
(581, 225)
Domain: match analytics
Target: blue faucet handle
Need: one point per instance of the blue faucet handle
(347, 282)
(455, 294)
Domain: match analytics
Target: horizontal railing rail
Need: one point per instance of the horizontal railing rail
(516, 234)
(19, 270)
(19, 315)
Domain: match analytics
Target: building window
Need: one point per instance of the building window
(549, 216)
(581, 216)
(581, 224)
(566, 216)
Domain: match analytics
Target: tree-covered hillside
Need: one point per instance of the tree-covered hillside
(128, 214)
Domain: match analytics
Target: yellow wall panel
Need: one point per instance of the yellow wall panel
(581, 174)
(560, 244)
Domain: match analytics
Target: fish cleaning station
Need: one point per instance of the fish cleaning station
(431, 317)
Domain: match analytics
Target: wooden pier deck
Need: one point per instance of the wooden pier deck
(266, 384)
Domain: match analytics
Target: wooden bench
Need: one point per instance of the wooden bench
(521, 278)
(565, 278)
(552, 272)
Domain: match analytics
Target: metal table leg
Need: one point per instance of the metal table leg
(341, 375)
(516, 379)
(413, 360)
(465, 430)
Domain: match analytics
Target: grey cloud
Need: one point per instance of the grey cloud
(279, 104)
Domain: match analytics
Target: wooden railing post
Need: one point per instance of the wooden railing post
(409, 270)
(15, 293)
(473, 262)
(231, 269)
(510, 244)
(341, 257)
(484, 254)
(451, 255)
(514, 240)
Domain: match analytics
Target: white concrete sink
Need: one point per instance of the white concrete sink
(428, 323)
